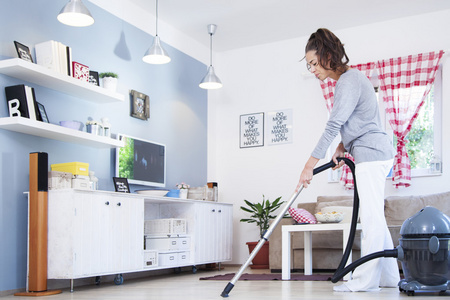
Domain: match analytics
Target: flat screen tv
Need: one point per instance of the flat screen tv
(141, 162)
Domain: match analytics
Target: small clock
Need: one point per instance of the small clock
(140, 105)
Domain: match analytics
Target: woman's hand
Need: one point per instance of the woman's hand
(340, 151)
(307, 173)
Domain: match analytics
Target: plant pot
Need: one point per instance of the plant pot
(261, 260)
(109, 83)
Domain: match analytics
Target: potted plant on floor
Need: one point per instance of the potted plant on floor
(261, 213)
(109, 80)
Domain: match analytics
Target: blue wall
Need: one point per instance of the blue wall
(178, 111)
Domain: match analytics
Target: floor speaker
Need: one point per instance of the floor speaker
(37, 227)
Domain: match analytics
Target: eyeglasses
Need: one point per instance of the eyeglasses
(315, 64)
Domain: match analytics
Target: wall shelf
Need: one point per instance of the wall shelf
(34, 73)
(56, 132)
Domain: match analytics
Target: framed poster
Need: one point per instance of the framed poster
(252, 130)
(42, 112)
(279, 127)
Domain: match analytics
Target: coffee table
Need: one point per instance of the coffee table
(308, 229)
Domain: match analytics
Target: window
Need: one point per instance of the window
(424, 139)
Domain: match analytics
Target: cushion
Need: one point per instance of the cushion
(320, 206)
(301, 215)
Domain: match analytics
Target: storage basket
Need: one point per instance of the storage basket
(165, 226)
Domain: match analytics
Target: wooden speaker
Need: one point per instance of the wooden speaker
(37, 227)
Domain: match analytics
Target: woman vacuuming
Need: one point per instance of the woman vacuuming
(356, 117)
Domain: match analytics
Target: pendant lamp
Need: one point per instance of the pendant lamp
(156, 54)
(75, 14)
(211, 81)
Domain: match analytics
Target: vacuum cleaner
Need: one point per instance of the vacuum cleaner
(423, 249)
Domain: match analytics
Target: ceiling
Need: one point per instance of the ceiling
(243, 23)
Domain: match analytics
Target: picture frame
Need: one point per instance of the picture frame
(252, 130)
(140, 105)
(121, 185)
(42, 113)
(93, 78)
(23, 52)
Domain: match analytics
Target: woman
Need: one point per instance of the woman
(355, 116)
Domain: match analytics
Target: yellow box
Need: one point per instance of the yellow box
(76, 168)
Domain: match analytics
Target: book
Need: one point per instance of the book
(47, 55)
(22, 102)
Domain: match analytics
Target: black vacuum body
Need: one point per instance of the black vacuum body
(424, 252)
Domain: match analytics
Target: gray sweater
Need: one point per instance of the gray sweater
(355, 115)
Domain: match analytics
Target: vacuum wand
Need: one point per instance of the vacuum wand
(269, 231)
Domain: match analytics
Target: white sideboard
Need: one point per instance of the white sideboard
(95, 233)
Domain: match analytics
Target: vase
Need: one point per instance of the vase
(109, 83)
(183, 193)
(261, 260)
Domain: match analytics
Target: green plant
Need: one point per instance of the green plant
(108, 74)
(261, 212)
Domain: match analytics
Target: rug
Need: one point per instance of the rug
(271, 276)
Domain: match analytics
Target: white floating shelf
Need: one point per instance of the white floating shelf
(34, 73)
(55, 132)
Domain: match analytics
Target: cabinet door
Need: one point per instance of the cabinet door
(127, 234)
(213, 233)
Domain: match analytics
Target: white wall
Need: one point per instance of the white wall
(269, 77)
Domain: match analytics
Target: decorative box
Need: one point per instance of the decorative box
(59, 180)
(76, 168)
(81, 182)
(80, 71)
(150, 258)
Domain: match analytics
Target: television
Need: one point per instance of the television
(141, 162)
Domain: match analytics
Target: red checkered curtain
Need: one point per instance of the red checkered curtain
(328, 86)
(404, 84)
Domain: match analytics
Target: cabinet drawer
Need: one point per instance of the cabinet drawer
(174, 258)
(167, 244)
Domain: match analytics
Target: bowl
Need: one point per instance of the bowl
(157, 193)
(329, 217)
(71, 124)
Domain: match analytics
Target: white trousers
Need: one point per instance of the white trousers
(384, 272)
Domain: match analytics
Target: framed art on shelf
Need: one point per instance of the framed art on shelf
(252, 130)
(121, 185)
(42, 112)
(140, 105)
(80, 71)
(23, 51)
(93, 78)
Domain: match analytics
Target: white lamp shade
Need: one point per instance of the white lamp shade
(156, 54)
(210, 81)
(75, 14)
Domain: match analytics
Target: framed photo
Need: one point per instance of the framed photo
(23, 51)
(42, 112)
(121, 185)
(93, 78)
(140, 105)
(252, 130)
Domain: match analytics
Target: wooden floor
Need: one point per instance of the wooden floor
(187, 286)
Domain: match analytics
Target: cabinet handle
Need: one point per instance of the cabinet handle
(107, 203)
(220, 210)
(119, 204)
(213, 210)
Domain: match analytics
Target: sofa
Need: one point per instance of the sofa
(327, 246)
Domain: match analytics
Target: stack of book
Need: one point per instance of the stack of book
(55, 56)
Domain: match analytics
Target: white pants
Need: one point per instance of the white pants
(370, 182)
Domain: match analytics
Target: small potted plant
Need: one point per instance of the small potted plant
(109, 80)
(261, 214)
(183, 187)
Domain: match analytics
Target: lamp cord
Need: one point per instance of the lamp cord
(156, 17)
(210, 49)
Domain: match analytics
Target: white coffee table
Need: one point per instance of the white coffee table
(308, 229)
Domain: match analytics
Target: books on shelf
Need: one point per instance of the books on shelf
(21, 101)
(55, 56)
